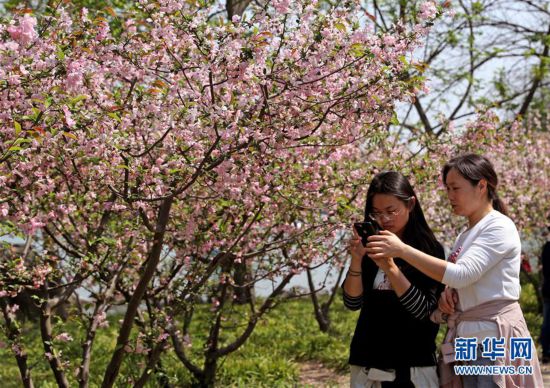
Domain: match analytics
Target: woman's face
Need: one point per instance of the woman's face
(391, 212)
(465, 198)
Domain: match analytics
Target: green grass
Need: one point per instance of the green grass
(285, 337)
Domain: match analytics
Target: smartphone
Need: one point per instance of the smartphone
(366, 229)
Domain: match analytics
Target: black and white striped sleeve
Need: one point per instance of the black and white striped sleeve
(352, 302)
(420, 304)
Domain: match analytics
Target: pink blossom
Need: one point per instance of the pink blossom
(16, 348)
(33, 225)
(64, 337)
(39, 274)
(103, 31)
(4, 210)
(11, 46)
(25, 32)
(84, 15)
(389, 40)
(151, 120)
(215, 304)
(162, 337)
(12, 310)
(74, 75)
(428, 10)
(130, 26)
(68, 117)
(101, 319)
(140, 348)
(281, 5)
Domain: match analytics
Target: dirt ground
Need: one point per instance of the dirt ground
(314, 374)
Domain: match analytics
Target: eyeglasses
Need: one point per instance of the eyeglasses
(385, 215)
(378, 216)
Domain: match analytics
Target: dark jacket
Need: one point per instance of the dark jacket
(545, 260)
(387, 335)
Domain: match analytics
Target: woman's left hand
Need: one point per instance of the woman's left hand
(386, 264)
(385, 244)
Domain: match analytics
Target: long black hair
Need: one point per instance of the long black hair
(474, 167)
(417, 233)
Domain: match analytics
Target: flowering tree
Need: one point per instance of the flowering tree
(490, 53)
(519, 151)
(143, 170)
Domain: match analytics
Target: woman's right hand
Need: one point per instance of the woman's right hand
(448, 300)
(356, 248)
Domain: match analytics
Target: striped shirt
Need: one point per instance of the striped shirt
(418, 303)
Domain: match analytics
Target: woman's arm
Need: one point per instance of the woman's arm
(399, 282)
(419, 303)
(353, 284)
(495, 243)
(352, 302)
(387, 244)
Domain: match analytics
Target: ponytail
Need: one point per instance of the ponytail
(498, 204)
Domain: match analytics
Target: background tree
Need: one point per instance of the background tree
(479, 55)
(148, 163)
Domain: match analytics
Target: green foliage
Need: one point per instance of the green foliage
(529, 305)
(270, 358)
(453, 38)
(501, 85)
(477, 7)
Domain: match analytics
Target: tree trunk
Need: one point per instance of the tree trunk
(118, 356)
(46, 332)
(321, 318)
(236, 7)
(154, 358)
(243, 289)
(322, 311)
(210, 368)
(84, 371)
(13, 333)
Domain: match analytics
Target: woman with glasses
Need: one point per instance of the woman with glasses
(485, 317)
(394, 340)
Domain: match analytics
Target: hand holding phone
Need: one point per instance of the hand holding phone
(366, 229)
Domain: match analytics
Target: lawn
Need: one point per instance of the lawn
(271, 357)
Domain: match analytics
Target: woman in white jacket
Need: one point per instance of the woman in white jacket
(483, 268)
